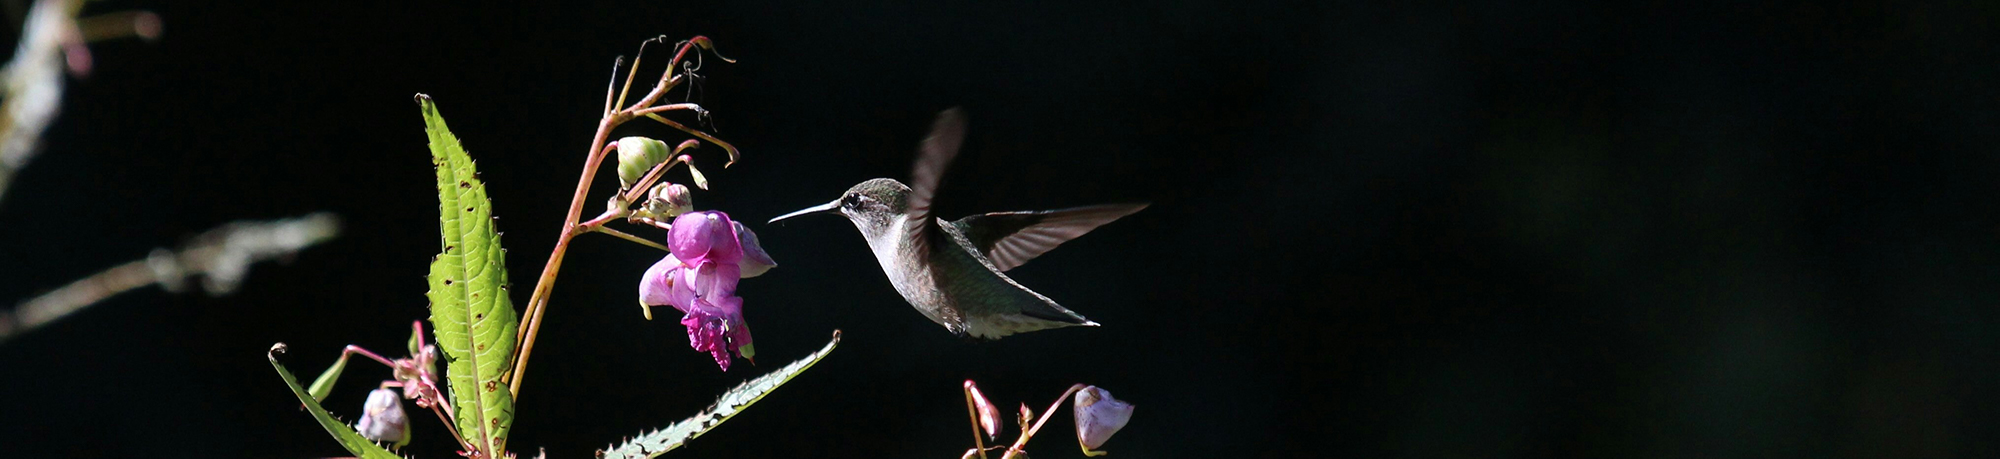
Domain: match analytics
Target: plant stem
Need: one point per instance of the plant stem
(546, 283)
(538, 301)
(218, 256)
(630, 237)
(1015, 451)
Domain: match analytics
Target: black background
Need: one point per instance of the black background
(1510, 229)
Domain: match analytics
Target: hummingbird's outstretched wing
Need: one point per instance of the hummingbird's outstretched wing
(1010, 239)
(936, 152)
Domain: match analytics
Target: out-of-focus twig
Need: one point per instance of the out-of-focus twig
(220, 256)
(33, 81)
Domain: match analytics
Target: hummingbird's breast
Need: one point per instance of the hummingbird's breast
(912, 276)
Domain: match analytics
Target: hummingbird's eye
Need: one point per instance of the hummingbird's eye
(850, 201)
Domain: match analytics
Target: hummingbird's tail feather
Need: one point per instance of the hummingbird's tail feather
(996, 326)
(1051, 312)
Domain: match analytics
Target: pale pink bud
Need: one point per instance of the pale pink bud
(1097, 417)
(382, 418)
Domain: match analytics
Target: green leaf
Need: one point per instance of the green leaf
(732, 402)
(347, 437)
(470, 313)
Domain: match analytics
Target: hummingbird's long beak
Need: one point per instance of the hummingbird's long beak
(822, 208)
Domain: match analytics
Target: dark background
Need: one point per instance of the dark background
(1511, 229)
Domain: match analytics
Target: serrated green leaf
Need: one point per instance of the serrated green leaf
(353, 441)
(732, 402)
(472, 317)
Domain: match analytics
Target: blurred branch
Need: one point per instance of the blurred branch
(33, 82)
(220, 256)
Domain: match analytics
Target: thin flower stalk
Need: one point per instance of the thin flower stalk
(593, 162)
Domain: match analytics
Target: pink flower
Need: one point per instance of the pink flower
(710, 254)
(1097, 417)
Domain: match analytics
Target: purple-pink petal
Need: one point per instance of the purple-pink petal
(716, 280)
(657, 284)
(755, 261)
(702, 237)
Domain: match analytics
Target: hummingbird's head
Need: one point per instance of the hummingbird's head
(872, 205)
(875, 197)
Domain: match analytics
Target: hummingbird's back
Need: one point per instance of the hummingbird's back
(990, 304)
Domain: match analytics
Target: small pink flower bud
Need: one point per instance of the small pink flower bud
(989, 417)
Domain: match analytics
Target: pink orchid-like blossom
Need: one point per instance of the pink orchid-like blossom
(1097, 417)
(710, 254)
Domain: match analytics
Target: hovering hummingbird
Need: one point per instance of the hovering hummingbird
(952, 272)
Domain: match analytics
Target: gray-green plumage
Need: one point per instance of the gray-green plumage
(953, 272)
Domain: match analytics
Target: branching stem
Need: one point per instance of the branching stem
(538, 301)
(1015, 451)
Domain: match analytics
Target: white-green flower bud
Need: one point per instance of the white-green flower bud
(668, 200)
(636, 155)
(382, 418)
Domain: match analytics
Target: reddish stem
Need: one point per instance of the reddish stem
(546, 283)
(1016, 449)
(353, 349)
(538, 301)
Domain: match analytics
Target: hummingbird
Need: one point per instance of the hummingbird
(954, 273)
